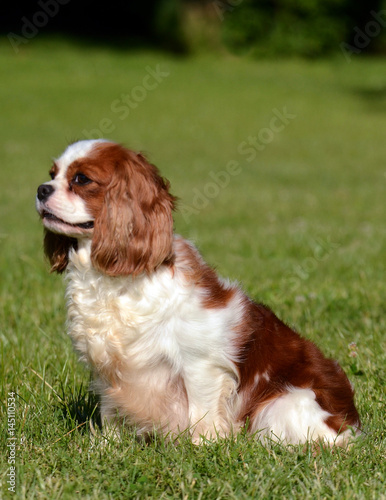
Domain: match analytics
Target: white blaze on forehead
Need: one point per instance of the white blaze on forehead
(74, 152)
(63, 203)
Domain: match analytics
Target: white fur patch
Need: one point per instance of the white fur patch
(294, 417)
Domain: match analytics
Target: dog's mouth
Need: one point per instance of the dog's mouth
(49, 217)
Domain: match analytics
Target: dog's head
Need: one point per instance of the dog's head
(113, 196)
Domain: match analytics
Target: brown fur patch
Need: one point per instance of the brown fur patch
(56, 248)
(216, 292)
(280, 357)
(132, 211)
(133, 230)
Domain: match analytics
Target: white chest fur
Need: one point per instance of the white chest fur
(131, 331)
(119, 319)
(142, 318)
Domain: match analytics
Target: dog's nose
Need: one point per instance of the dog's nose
(44, 191)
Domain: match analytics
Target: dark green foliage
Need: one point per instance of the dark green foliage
(289, 27)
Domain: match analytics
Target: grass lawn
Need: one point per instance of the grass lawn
(280, 169)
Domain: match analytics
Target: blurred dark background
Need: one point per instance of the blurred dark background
(308, 28)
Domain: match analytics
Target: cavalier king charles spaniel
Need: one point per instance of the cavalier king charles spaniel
(172, 346)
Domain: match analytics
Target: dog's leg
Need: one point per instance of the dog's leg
(295, 417)
(212, 398)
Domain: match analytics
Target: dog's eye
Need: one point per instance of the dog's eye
(81, 179)
(52, 175)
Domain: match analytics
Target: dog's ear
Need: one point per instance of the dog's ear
(133, 232)
(56, 248)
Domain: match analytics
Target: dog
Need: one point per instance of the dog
(172, 346)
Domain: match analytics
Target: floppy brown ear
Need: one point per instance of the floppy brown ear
(133, 233)
(56, 248)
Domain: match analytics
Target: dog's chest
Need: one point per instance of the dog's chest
(146, 321)
(114, 321)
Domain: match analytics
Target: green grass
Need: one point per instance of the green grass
(302, 226)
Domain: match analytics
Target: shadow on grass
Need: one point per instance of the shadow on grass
(79, 406)
(373, 97)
